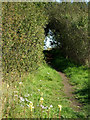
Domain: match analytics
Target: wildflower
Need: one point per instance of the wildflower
(27, 100)
(48, 73)
(28, 105)
(16, 95)
(38, 89)
(40, 80)
(37, 105)
(51, 106)
(21, 98)
(27, 95)
(43, 107)
(31, 106)
(7, 86)
(20, 83)
(15, 91)
(41, 100)
(60, 107)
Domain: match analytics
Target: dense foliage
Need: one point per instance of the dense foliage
(69, 23)
(23, 35)
(24, 27)
(26, 24)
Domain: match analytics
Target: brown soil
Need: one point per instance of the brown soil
(68, 90)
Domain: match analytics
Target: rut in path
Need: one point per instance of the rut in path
(68, 89)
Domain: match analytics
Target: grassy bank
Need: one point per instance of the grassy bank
(78, 77)
(46, 83)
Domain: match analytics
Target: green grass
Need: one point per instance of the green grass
(47, 81)
(78, 77)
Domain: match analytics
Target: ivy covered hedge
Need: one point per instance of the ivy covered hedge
(22, 35)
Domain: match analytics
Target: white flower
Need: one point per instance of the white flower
(15, 91)
(31, 94)
(38, 89)
(28, 105)
(40, 80)
(41, 99)
(27, 95)
(51, 106)
(43, 107)
(26, 99)
(21, 98)
(20, 83)
(16, 95)
(48, 73)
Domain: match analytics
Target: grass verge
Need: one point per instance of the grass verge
(46, 83)
(78, 77)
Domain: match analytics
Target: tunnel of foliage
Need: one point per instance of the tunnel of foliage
(25, 25)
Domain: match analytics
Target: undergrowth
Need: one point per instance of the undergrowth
(78, 78)
(29, 88)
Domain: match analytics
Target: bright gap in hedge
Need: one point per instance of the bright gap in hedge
(50, 41)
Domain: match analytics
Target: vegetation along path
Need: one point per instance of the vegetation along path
(68, 89)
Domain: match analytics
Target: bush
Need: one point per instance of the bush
(22, 35)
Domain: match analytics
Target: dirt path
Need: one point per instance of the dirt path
(68, 89)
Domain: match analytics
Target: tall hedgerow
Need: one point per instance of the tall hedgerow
(22, 36)
(23, 26)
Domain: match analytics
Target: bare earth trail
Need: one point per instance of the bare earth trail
(68, 89)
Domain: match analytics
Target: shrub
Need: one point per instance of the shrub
(22, 35)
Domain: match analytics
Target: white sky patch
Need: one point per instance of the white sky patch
(49, 41)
